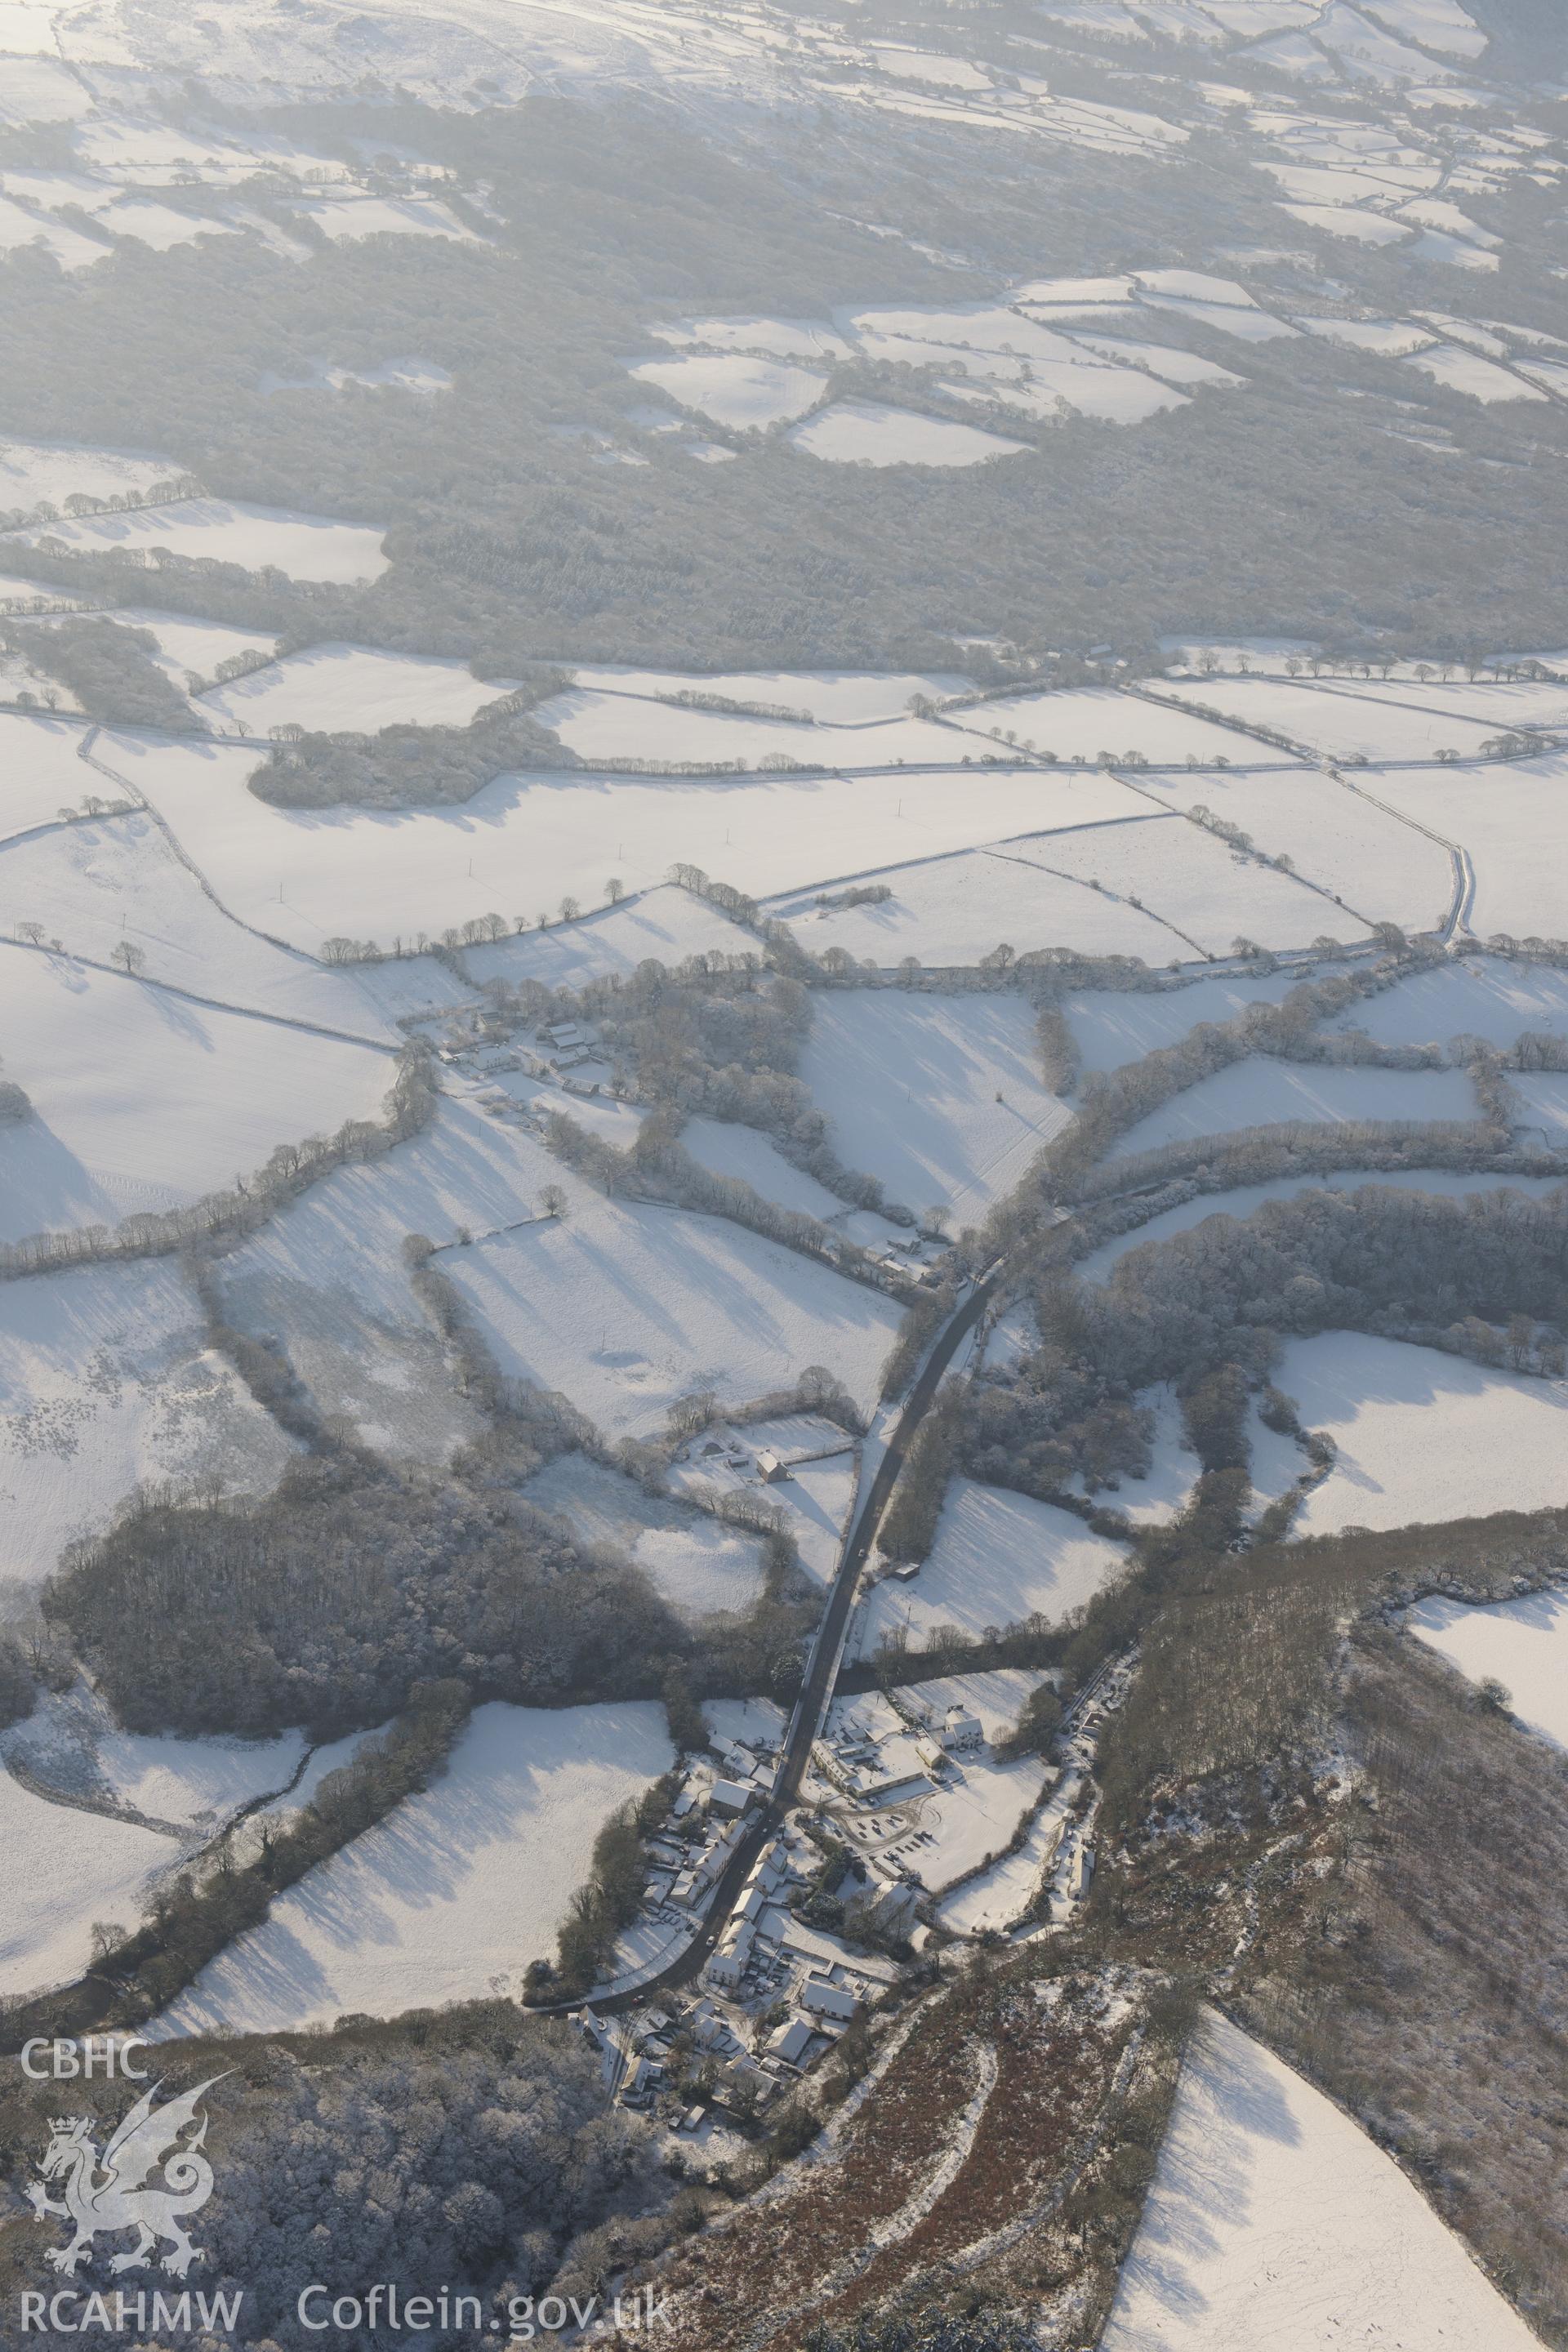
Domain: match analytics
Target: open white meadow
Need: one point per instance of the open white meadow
(72, 1743)
(866, 433)
(747, 394)
(1089, 382)
(663, 925)
(1473, 996)
(835, 697)
(939, 1096)
(65, 1870)
(461, 1886)
(785, 339)
(1522, 1643)
(1112, 1027)
(1423, 1437)
(749, 1158)
(1259, 1092)
(42, 771)
(697, 1563)
(1513, 820)
(1542, 1098)
(1500, 704)
(999, 1896)
(522, 842)
(104, 885)
(953, 910)
(352, 216)
(1344, 725)
(107, 1383)
(626, 1309)
(619, 726)
(307, 547)
(1242, 1199)
(20, 227)
(143, 1100)
(998, 1557)
(1274, 2221)
(1467, 372)
(35, 472)
(1275, 1462)
(1210, 894)
(330, 687)
(328, 1277)
(1334, 838)
(1084, 722)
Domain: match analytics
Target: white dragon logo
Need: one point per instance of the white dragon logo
(106, 2195)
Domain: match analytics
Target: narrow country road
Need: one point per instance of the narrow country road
(820, 1675)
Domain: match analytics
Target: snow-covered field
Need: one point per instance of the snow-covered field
(41, 771)
(145, 1101)
(665, 925)
(65, 1871)
(1274, 2221)
(1343, 725)
(866, 433)
(698, 1564)
(337, 685)
(1423, 1437)
(1543, 1105)
(626, 1309)
(998, 1557)
(1520, 1643)
(341, 217)
(1243, 1199)
(307, 547)
(106, 1382)
(1210, 895)
(1263, 1093)
(835, 697)
(1473, 996)
(998, 1896)
(597, 725)
(455, 1893)
(522, 842)
(939, 1096)
(734, 388)
(327, 1277)
(73, 1744)
(1334, 838)
(748, 1156)
(101, 884)
(1513, 820)
(33, 472)
(1086, 721)
(1113, 1027)
(953, 910)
